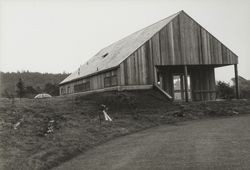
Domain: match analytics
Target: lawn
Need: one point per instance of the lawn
(42, 133)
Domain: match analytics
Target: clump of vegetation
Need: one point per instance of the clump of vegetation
(20, 88)
(244, 87)
(224, 90)
(227, 91)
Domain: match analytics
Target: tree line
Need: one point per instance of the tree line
(28, 84)
(30, 91)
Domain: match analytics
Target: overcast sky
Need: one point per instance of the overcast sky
(59, 35)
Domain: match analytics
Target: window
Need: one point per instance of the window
(114, 80)
(62, 90)
(68, 91)
(107, 82)
(82, 87)
(110, 79)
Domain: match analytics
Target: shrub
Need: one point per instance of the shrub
(224, 90)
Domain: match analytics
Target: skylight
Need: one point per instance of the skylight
(105, 55)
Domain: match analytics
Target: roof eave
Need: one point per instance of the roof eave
(89, 75)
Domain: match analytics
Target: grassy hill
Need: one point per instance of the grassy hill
(37, 80)
(42, 133)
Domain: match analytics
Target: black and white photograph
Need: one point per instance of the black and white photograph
(124, 85)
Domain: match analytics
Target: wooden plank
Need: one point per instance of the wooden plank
(171, 43)
(212, 59)
(136, 69)
(219, 53)
(236, 81)
(209, 58)
(125, 73)
(164, 92)
(179, 40)
(200, 61)
(204, 47)
(216, 51)
(186, 83)
(154, 76)
(193, 36)
(132, 69)
(163, 47)
(143, 68)
(190, 49)
(149, 67)
(122, 74)
(197, 37)
(156, 49)
(129, 70)
(140, 66)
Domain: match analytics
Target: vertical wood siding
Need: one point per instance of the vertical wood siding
(182, 42)
(96, 82)
(203, 84)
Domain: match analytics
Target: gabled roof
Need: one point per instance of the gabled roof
(116, 53)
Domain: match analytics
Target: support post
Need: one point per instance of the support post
(182, 86)
(186, 83)
(236, 81)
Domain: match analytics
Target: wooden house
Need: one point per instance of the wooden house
(175, 55)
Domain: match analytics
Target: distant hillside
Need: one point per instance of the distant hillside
(37, 80)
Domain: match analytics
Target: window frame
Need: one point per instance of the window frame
(110, 79)
(82, 87)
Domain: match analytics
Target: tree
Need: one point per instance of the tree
(9, 95)
(30, 90)
(38, 89)
(224, 90)
(20, 88)
(244, 86)
(52, 89)
(6, 94)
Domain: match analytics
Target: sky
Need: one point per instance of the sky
(58, 36)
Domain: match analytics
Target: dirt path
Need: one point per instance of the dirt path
(208, 144)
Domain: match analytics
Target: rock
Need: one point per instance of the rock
(235, 112)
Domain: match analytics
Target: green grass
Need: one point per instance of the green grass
(76, 125)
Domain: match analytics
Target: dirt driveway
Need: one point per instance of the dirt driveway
(222, 143)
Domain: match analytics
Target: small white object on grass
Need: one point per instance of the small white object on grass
(16, 125)
(106, 116)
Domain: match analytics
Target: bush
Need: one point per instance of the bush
(245, 93)
(224, 90)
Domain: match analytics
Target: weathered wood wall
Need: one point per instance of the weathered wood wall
(203, 84)
(167, 82)
(185, 42)
(181, 42)
(96, 82)
(138, 68)
(202, 80)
